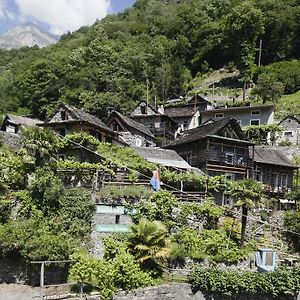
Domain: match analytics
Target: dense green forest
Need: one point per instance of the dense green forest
(108, 64)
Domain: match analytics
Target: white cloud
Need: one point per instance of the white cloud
(5, 13)
(64, 15)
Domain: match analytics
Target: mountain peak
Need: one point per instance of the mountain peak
(27, 34)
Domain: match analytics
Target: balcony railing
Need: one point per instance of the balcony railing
(229, 158)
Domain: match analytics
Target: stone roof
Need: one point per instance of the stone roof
(168, 158)
(132, 124)
(291, 118)
(209, 128)
(237, 108)
(180, 111)
(18, 120)
(82, 116)
(272, 156)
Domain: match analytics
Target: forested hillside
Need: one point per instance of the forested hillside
(108, 64)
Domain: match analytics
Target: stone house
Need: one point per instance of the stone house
(69, 119)
(130, 131)
(245, 115)
(217, 147)
(161, 125)
(13, 123)
(291, 130)
(187, 114)
(274, 169)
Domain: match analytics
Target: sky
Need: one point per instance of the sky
(57, 16)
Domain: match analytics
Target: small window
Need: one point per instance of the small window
(62, 131)
(143, 110)
(117, 220)
(255, 112)
(255, 122)
(229, 158)
(63, 115)
(288, 134)
(157, 124)
(138, 142)
(219, 115)
(185, 125)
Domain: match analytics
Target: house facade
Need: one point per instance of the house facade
(274, 169)
(217, 147)
(161, 126)
(69, 119)
(13, 123)
(291, 130)
(187, 114)
(245, 115)
(130, 131)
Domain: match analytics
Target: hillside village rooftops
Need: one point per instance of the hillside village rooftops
(79, 115)
(210, 129)
(272, 156)
(180, 111)
(237, 108)
(132, 123)
(18, 120)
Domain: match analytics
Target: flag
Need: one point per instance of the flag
(155, 180)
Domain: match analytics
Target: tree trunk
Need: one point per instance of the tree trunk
(244, 224)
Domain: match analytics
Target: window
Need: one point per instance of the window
(288, 134)
(255, 112)
(229, 158)
(62, 131)
(219, 115)
(117, 220)
(138, 142)
(157, 124)
(255, 122)
(143, 110)
(63, 115)
(185, 125)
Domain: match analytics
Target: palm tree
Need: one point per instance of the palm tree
(149, 242)
(246, 192)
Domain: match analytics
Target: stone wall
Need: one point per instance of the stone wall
(11, 140)
(182, 291)
(22, 272)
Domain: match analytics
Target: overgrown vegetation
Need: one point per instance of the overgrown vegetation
(108, 64)
(281, 282)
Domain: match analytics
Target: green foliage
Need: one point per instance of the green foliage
(13, 170)
(34, 239)
(215, 244)
(46, 189)
(125, 157)
(207, 211)
(292, 223)
(281, 282)
(40, 143)
(191, 181)
(107, 64)
(5, 209)
(258, 133)
(268, 87)
(128, 193)
(159, 207)
(149, 242)
(81, 138)
(121, 272)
